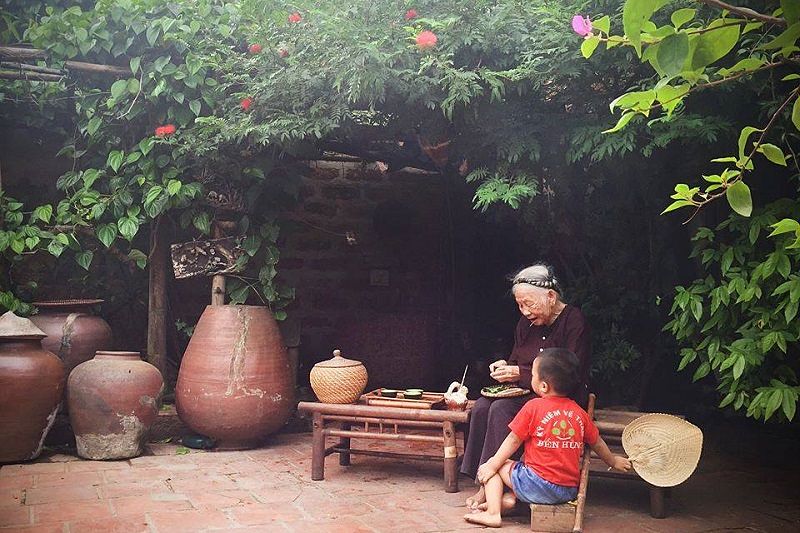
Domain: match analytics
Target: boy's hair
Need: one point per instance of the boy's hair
(559, 368)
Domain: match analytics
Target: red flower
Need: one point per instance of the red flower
(295, 17)
(426, 39)
(246, 103)
(255, 48)
(283, 52)
(164, 131)
(411, 14)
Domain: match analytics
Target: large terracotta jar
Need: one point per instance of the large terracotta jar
(113, 401)
(31, 381)
(235, 383)
(73, 332)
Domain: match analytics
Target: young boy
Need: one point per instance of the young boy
(554, 429)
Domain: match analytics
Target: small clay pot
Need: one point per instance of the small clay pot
(113, 400)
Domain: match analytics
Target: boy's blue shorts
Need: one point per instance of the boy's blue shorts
(530, 488)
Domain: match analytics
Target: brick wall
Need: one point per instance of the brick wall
(380, 298)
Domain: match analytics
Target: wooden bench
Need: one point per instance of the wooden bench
(611, 423)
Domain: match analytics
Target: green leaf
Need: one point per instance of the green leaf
(634, 15)
(173, 187)
(785, 226)
(239, 296)
(135, 62)
(115, 158)
(133, 86)
(128, 226)
(672, 53)
(202, 222)
(790, 77)
(194, 105)
(152, 194)
(94, 125)
(739, 198)
(743, 136)
(713, 45)
(790, 311)
(702, 371)
(603, 24)
(55, 248)
(119, 88)
(791, 10)
(139, 257)
(773, 153)
(738, 366)
(152, 34)
(787, 38)
(682, 16)
(789, 405)
(796, 113)
(43, 213)
(146, 144)
(84, 259)
(773, 403)
(107, 233)
(623, 121)
(589, 45)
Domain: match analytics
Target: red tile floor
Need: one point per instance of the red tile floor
(270, 489)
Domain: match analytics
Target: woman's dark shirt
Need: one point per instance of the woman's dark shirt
(570, 330)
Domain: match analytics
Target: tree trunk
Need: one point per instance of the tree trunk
(157, 311)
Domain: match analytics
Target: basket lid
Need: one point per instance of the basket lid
(16, 327)
(337, 361)
(663, 449)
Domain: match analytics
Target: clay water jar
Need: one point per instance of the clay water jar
(113, 400)
(235, 383)
(73, 333)
(31, 381)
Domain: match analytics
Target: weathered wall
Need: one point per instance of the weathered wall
(380, 295)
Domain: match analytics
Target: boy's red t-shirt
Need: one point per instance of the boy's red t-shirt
(554, 430)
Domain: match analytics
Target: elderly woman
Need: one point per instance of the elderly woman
(546, 322)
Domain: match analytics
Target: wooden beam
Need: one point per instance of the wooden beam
(32, 76)
(27, 54)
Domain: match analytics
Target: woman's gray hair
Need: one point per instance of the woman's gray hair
(539, 275)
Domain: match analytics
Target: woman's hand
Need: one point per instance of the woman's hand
(506, 374)
(497, 364)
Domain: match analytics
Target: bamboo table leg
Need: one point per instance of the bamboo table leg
(450, 457)
(658, 505)
(344, 442)
(318, 449)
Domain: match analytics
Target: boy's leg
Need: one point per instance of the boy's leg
(509, 499)
(494, 496)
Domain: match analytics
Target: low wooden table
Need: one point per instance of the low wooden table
(337, 420)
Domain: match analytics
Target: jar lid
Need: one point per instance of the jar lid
(16, 327)
(337, 361)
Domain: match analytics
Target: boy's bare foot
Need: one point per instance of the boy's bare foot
(484, 519)
(476, 499)
(506, 504)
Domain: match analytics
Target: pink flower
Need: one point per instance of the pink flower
(246, 103)
(582, 25)
(411, 14)
(255, 48)
(295, 17)
(283, 52)
(165, 131)
(426, 40)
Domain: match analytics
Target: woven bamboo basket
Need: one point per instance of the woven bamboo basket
(338, 380)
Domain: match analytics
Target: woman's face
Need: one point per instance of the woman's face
(535, 304)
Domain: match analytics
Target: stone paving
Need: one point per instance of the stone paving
(270, 489)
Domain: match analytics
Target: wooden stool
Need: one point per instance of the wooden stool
(565, 517)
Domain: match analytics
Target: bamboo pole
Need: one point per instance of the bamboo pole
(218, 281)
(33, 76)
(27, 54)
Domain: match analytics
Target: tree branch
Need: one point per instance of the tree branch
(745, 12)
